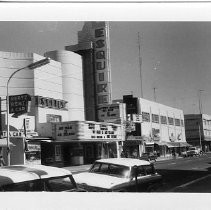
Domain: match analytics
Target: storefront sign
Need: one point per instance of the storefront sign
(19, 104)
(137, 118)
(50, 103)
(15, 134)
(108, 113)
(103, 88)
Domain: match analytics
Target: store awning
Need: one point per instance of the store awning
(132, 142)
(3, 143)
(161, 143)
(172, 144)
(184, 144)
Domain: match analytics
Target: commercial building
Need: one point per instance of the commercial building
(50, 90)
(198, 130)
(156, 127)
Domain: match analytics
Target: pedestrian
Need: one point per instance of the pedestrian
(2, 163)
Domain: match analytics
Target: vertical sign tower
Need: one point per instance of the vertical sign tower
(94, 46)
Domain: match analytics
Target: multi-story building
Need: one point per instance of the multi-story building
(156, 127)
(50, 91)
(198, 130)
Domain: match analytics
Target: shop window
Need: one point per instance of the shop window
(145, 117)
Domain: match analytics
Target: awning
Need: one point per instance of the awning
(172, 144)
(184, 144)
(3, 143)
(161, 143)
(132, 142)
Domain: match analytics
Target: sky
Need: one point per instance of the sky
(176, 56)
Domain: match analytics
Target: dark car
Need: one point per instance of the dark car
(149, 156)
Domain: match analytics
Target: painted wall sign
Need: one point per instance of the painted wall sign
(19, 104)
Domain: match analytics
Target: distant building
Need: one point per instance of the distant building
(198, 130)
(156, 127)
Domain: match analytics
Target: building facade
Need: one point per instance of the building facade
(47, 87)
(94, 47)
(156, 127)
(81, 142)
(198, 130)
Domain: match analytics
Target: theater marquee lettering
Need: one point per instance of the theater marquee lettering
(101, 66)
(50, 103)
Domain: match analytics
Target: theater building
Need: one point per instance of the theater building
(94, 47)
(80, 142)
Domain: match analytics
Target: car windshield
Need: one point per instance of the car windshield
(111, 170)
(59, 184)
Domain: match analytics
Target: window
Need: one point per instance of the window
(182, 122)
(177, 122)
(149, 169)
(155, 118)
(145, 117)
(171, 121)
(163, 119)
(59, 184)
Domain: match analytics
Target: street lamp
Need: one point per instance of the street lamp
(30, 66)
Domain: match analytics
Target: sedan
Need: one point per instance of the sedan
(120, 175)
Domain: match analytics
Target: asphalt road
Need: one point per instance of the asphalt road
(179, 173)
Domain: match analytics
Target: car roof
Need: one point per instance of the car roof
(124, 161)
(22, 173)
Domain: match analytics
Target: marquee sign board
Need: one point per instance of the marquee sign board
(19, 104)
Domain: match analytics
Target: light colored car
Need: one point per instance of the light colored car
(36, 178)
(120, 175)
(193, 151)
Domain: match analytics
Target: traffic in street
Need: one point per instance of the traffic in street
(190, 174)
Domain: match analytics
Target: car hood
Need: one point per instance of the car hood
(99, 180)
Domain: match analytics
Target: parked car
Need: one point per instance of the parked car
(148, 156)
(193, 151)
(120, 175)
(36, 178)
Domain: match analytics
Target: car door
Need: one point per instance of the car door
(146, 178)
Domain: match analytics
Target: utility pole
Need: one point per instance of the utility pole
(200, 102)
(140, 63)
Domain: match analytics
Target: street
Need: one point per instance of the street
(178, 173)
(181, 171)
